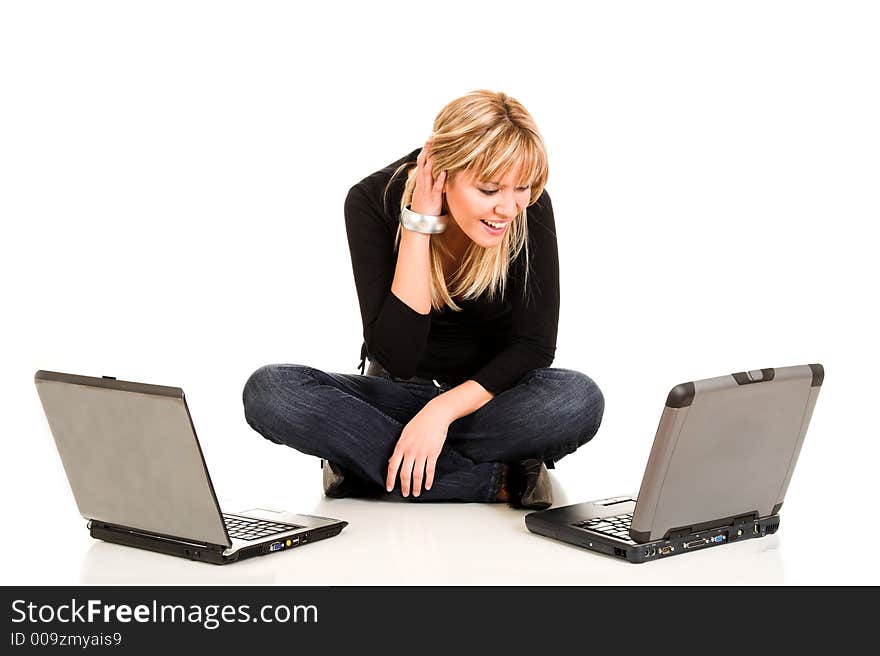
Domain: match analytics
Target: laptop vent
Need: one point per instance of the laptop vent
(251, 551)
(320, 534)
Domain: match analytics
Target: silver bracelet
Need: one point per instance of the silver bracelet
(425, 223)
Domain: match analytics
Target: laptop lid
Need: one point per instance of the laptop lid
(725, 449)
(131, 456)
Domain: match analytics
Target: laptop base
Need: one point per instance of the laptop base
(206, 553)
(657, 549)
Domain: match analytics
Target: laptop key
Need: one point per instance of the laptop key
(247, 528)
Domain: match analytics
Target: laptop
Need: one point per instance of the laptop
(137, 472)
(721, 462)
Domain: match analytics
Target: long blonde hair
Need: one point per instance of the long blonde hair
(487, 134)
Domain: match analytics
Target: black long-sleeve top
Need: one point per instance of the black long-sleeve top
(492, 342)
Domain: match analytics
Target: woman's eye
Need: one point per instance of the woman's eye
(492, 192)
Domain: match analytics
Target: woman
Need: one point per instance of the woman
(459, 295)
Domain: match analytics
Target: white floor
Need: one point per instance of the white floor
(447, 544)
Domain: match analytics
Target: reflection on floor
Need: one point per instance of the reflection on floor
(401, 543)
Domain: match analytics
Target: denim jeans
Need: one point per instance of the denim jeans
(355, 421)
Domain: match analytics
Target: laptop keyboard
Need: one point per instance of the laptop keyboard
(250, 528)
(616, 526)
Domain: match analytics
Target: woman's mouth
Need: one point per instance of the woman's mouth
(494, 228)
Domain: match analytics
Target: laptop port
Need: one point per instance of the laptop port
(650, 552)
(276, 546)
(694, 543)
(668, 549)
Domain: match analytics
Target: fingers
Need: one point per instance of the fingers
(418, 476)
(428, 193)
(422, 475)
(425, 159)
(425, 163)
(400, 460)
(438, 185)
(430, 467)
(415, 455)
(393, 466)
(406, 475)
(427, 175)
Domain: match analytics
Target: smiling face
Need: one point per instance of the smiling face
(482, 210)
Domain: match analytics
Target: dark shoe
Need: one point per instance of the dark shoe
(340, 483)
(334, 480)
(532, 486)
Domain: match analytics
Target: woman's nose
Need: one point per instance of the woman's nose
(506, 207)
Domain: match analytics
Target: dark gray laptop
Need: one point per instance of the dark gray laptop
(137, 472)
(719, 468)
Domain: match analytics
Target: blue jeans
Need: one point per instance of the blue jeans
(355, 421)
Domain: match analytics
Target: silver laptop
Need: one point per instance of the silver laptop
(718, 472)
(137, 472)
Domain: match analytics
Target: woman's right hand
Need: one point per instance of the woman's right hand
(428, 194)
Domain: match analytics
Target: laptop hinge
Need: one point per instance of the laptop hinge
(684, 531)
(156, 536)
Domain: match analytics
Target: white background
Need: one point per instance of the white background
(171, 184)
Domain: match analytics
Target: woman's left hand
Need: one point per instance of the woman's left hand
(417, 450)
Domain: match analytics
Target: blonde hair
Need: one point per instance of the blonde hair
(487, 134)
